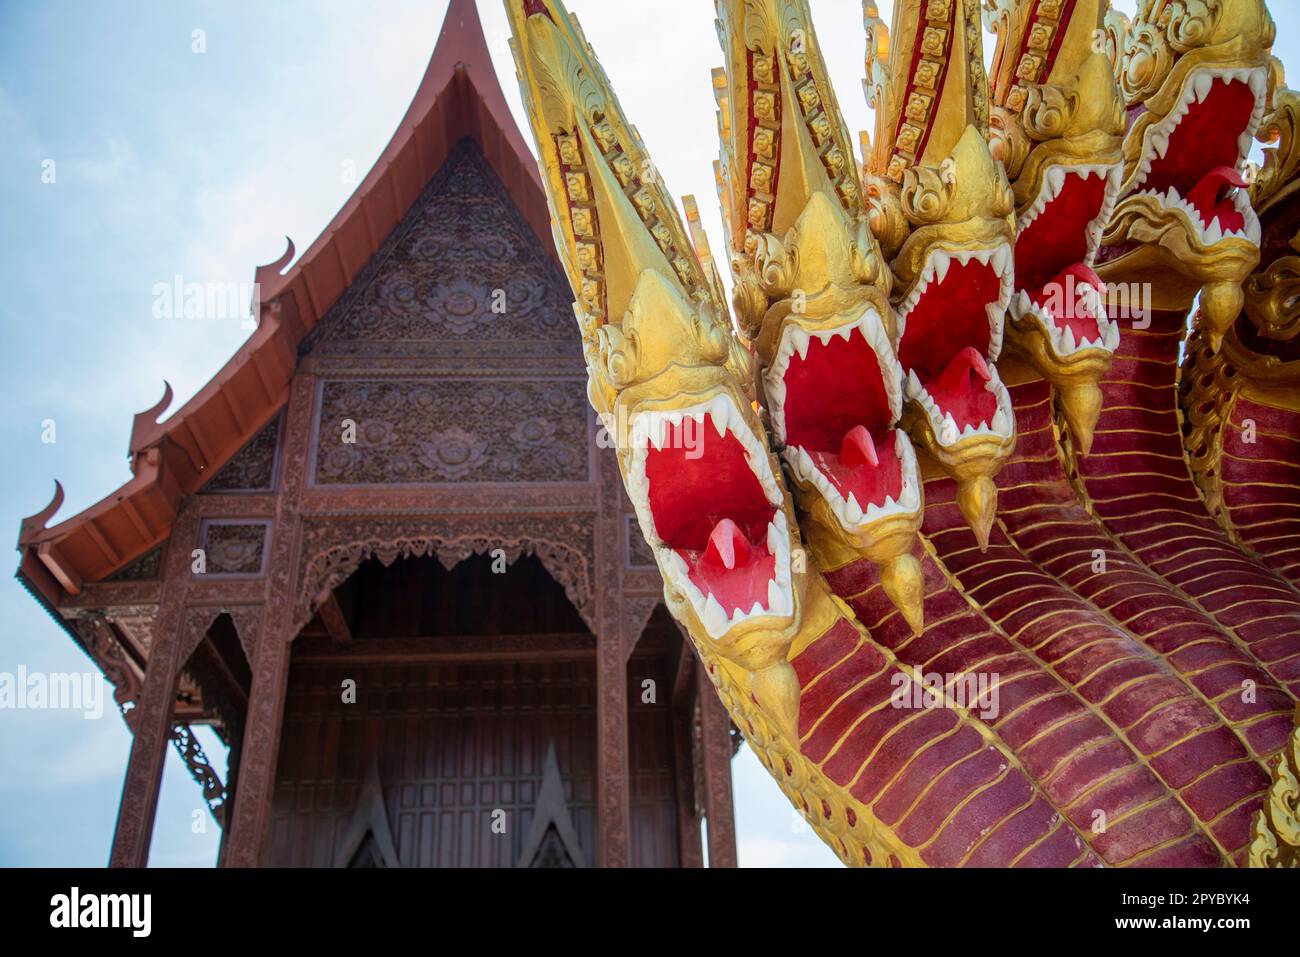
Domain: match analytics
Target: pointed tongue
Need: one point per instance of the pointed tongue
(1069, 307)
(858, 448)
(1064, 286)
(960, 391)
(958, 376)
(727, 546)
(1208, 195)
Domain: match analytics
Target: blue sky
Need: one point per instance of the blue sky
(169, 161)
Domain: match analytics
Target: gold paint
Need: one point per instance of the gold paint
(813, 242)
(1163, 46)
(1275, 832)
(810, 262)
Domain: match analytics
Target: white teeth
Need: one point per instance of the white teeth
(774, 595)
(715, 617)
(1196, 89)
(949, 432)
(795, 341)
(1055, 181)
(852, 515)
(1002, 256)
(651, 430)
(1067, 335)
(1000, 423)
(800, 340)
(914, 388)
(1201, 83)
(940, 264)
(720, 415)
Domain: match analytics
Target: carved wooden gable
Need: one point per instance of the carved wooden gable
(454, 357)
(461, 275)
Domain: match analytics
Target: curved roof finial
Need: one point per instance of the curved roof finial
(33, 525)
(278, 267)
(145, 425)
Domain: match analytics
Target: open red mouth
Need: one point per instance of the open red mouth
(1192, 158)
(952, 324)
(1057, 239)
(712, 510)
(834, 397)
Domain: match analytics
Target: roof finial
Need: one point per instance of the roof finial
(33, 525)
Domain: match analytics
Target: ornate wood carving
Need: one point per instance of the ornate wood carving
(102, 644)
(253, 467)
(200, 768)
(233, 547)
(432, 286)
(431, 431)
(274, 633)
(334, 548)
(144, 568)
(151, 719)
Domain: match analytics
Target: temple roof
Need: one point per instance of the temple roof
(458, 97)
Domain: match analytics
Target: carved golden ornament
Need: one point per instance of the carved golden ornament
(1060, 125)
(1212, 380)
(1272, 298)
(812, 268)
(1277, 179)
(824, 252)
(1175, 50)
(1276, 829)
(938, 196)
(1210, 385)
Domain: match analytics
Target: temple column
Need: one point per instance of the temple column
(689, 850)
(151, 719)
(715, 741)
(613, 818)
(255, 793)
(260, 748)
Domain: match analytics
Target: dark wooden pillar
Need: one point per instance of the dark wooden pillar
(716, 761)
(152, 717)
(613, 817)
(613, 813)
(689, 849)
(260, 749)
(254, 798)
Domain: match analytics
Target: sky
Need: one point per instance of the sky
(190, 139)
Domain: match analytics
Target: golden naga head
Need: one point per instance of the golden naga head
(1057, 123)
(1197, 77)
(673, 385)
(812, 293)
(942, 210)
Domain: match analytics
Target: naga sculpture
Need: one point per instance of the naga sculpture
(991, 563)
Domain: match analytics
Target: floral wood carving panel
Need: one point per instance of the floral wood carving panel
(253, 467)
(445, 430)
(461, 274)
(234, 548)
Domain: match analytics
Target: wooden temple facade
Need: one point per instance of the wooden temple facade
(383, 554)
